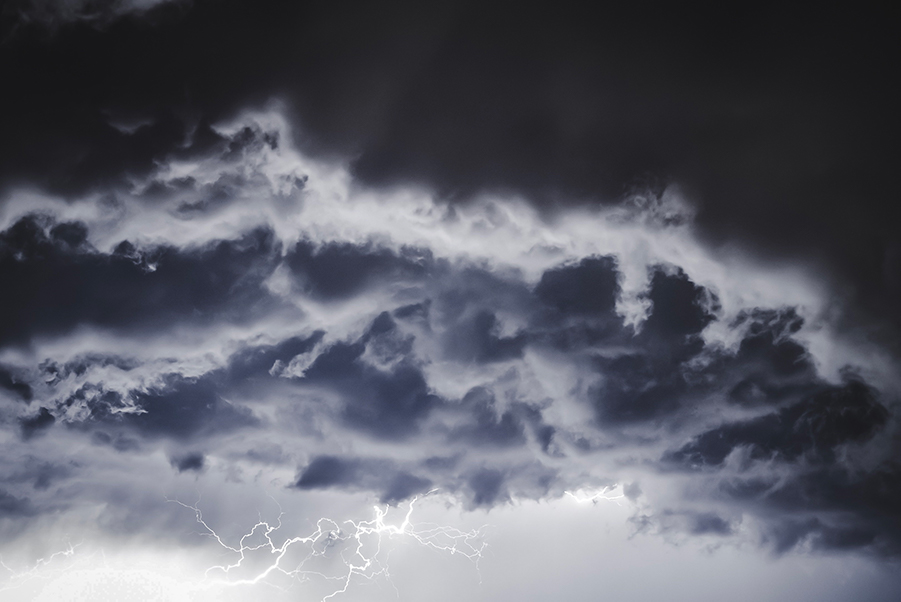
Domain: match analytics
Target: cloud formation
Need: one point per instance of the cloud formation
(244, 310)
(53, 15)
(618, 281)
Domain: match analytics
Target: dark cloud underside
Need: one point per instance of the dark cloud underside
(779, 120)
(657, 372)
(59, 282)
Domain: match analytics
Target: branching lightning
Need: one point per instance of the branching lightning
(584, 496)
(38, 570)
(332, 558)
(363, 539)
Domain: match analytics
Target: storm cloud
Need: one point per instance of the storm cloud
(252, 252)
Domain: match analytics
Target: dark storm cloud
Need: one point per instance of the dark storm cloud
(41, 474)
(780, 121)
(488, 426)
(665, 365)
(175, 406)
(118, 441)
(590, 287)
(33, 425)
(53, 14)
(192, 461)
(826, 507)
(254, 247)
(680, 308)
(178, 407)
(338, 271)
(59, 282)
(659, 370)
(392, 483)
(468, 307)
(653, 378)
(579, 304)
(481, 487)
(482, 423)
(665, 368)
(822, 501)
(707, 523)
(487, 487)
(14, 507)
(388, 404)
(685, 521)
(54, 372)
(255, 362)
(774, 367)
(486, 443)
(476, 338)
(14, 384)
(186, 407)
(813, 428)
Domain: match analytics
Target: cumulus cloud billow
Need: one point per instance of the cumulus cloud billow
(394, 352)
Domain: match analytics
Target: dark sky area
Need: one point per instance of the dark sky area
(656, 247)
(778, 119)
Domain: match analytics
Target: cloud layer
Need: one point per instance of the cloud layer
(245, 311)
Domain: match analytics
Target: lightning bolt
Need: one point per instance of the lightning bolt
(366, 560)
(38, 570)
(332, 558)
(583, 496)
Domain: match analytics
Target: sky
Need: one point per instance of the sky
(484, 301)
